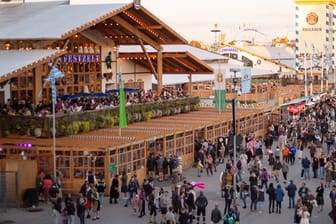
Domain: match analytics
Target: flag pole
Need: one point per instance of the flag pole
(322, 62)
(305, 70)
(311, 72)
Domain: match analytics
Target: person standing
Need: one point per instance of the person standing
(124, 179)
(228, 196)
(114, 190)
(261, 199)
(276, 169)
(201, 204)
(57, 209)
(271, 197)
(285, 169)
(320, 197)
(171, 219)
(254, 198)
(291, 190)
(306, 168)
(279, 194)
(101, 186)
(304, 213)
(152, 206)
(164, 200)
(81, 202)
(216, 215)
(95, 203)
(183, 217)
(332, 196)
(142, 202)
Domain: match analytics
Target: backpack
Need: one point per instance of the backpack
(131, 186)
(53, 191)
(174, 163)
(265, 176)
(230, 219)
(239, 165)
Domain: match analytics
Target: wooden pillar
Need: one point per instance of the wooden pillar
(37, 84)
(159, 71)
(190, 84)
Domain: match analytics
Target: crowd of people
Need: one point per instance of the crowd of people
(263, 167)
(87, 102)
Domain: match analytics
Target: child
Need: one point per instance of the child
(64, 216)
(135, 203)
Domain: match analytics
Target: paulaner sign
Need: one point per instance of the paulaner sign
(312, 19)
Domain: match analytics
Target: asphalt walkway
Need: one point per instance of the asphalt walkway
(116, 213)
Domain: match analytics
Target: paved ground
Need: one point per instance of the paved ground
(119, 214)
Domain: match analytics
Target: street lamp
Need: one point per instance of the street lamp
(234, 123)
(215, 31)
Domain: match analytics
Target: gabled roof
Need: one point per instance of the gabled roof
(16, 61)
(58, 20)
(177, 59)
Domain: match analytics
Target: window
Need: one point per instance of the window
(169, 145)
(124, 160)
(138, 156)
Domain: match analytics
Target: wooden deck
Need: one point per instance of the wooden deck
(127, 149)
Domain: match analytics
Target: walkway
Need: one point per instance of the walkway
(118, 214)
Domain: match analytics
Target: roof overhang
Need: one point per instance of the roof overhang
(14, 62)
(173, 62)
(122, 23)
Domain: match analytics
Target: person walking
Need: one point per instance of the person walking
(320, 197)
(285, 169)
(279, 194)
(114, 190)
(142, 202)
(216, 215)
(80, 206)
(201, 204)
(101, 186)
(228, 196)
(291, 191)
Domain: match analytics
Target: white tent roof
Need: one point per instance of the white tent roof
(171, 79)
(198, 52)
(48, 20)
(13, 60)
(285, 55)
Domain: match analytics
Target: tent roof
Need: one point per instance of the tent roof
(58, 20)
(16, 61)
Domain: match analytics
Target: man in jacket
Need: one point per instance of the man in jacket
(291, 190)
(216, 215)
(201, 204)
(279, 194)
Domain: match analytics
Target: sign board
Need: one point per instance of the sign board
(112, 167)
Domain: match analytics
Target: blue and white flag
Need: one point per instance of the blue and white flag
(246, 80)
(326, 56)
(54, 74)
(314, 56)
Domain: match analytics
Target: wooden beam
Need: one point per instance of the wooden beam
(136, 32)
(159, 70)
(148, 59)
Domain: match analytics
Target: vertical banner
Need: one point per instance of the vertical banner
(122, 107)
(220, 95)
(246, 80)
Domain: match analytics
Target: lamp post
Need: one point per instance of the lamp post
(215, 31)
(234, 123)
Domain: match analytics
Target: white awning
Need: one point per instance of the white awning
(14, 60)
